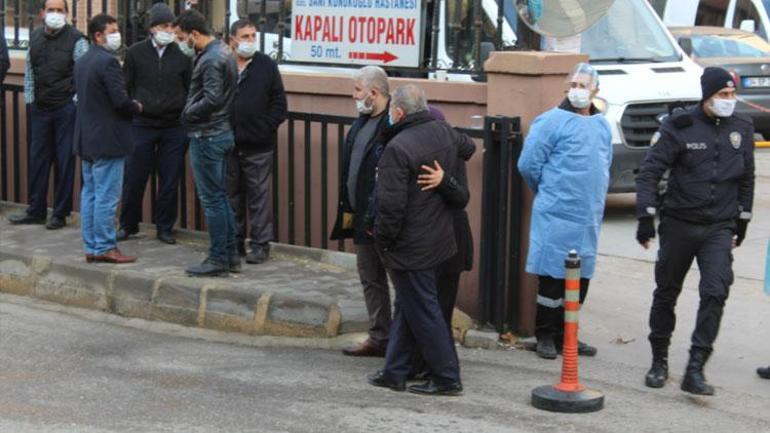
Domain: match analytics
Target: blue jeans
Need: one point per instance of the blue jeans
(102, 181)
(52, 136)
(208, 156)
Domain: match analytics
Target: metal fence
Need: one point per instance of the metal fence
(306, 178)
(471, 34)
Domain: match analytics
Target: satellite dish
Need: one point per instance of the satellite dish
(561, 18)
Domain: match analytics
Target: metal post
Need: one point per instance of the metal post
(435, 16)
(477, 23)
(514, 227)
(262, 22)
(308, 184)
(324, 185)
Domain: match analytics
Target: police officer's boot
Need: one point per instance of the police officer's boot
(694, 381)
(658, 374)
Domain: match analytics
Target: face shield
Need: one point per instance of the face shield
(584, 76)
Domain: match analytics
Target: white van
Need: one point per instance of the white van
(642, 68)
(747, 15)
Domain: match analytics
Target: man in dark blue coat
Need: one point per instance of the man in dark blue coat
(709, 153)
(103, 138)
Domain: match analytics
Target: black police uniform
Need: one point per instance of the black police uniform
(711, 186)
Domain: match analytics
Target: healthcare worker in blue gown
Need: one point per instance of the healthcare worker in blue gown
(566, 162)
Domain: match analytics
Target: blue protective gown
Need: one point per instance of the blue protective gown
(566, 161)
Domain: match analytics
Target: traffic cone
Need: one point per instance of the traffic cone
(569, 395)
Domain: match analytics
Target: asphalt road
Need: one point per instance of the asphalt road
(67, 370)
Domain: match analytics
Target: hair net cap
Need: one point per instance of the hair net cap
(586, 74)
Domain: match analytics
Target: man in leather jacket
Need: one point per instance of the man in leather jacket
(206, 116)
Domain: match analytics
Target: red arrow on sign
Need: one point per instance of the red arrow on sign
(384, 57)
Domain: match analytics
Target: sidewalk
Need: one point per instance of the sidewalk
(298, 293)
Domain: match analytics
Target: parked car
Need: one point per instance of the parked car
(745, 55)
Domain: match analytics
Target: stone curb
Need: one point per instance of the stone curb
(196, 302)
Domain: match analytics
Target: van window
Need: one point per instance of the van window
(659, 6)
(745, 10)
(460, 31)
(629, 32)
(711, 13)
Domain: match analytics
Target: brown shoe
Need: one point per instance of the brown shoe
(367, 348)
(114, 256)
(89, 258)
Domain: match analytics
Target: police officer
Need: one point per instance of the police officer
(703, 215)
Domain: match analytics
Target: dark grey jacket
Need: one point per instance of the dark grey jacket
(104, 110)
(414, 229)
(212, 91)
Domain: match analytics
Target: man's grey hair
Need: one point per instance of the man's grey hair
(373, 77)
(409, 98)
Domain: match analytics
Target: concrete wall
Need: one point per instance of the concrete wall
(519, 84)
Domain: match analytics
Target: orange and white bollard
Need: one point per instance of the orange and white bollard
(569, 395)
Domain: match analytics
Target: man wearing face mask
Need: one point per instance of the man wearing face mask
(48, 90)
(704, 213)
(206, 116)
(103, 138)
(371, 94)
(258, 110)
(565, 161)
(157, 74)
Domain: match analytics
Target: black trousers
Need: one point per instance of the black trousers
(447, 283)
(550, 306)
(418, 324)
(161, 149)
(681, 243)
(52, 138)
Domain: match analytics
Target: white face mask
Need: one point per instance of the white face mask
(114, 41)
(579, 98)
(187, 50)
(723, 107)
(55, 20)
(163, 38)
(362, 106)
(247, 49)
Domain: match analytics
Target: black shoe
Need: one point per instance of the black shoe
(235, 264)
(694, 381)
(586, 350)
(546, 348)
(764, 372)
(259, 254)
(657, 376)
(241, 249)
(379, 379)
(124, 233)
(208, 268)
(167, 237)
(25, 218)
(56, 223)
(432, 387)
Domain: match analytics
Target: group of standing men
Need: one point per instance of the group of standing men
(180, 88)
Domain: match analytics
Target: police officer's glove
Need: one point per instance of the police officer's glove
(740, 231)
(646, 229)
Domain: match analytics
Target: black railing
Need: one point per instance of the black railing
(470, 32)
(501, 214)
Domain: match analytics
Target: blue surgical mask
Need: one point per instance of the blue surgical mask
(391, 123)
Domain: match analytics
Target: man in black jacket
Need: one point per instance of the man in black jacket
(158, 75)
(48, 90)
(5, 62)
(259, 108)
(705, 211)
(414, 231)
(371, 94)
(207, 118)
(102, 138)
